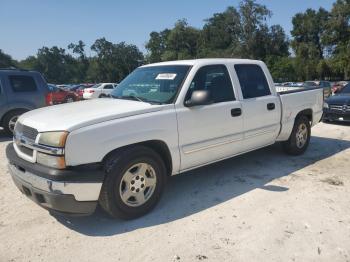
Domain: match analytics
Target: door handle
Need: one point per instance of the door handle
(271, 106)
(236, 112)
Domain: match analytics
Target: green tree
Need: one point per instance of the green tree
(254, 29)
(156, 46)
(337, 37)
(282, 69)
(55, 64)
(113, 61)
(308, 30)
(6, 60)
(221, 32)
(241, 32)
(181, 42)
(30, 63)
(81, 62)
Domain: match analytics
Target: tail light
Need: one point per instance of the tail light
(91, 91)
(48, 99)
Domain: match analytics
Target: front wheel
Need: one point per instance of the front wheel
(10, 120)
(300, 138)
(135, 178)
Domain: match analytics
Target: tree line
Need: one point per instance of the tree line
(319, 47)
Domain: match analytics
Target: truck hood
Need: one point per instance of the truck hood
(68, 117)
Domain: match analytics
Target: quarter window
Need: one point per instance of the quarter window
(215, 79)
(22, 83)
(252, 80)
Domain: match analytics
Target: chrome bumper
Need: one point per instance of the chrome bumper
(82, 191)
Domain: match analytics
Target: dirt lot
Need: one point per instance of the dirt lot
(263, 206)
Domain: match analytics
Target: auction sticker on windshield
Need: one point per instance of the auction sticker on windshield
(166, 76)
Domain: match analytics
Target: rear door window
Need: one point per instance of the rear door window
(252, 80)
(22, 83)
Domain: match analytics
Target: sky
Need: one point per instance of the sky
(27, 25)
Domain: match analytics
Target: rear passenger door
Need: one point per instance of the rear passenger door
(260, 107)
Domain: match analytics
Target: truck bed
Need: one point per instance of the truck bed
(296, 100)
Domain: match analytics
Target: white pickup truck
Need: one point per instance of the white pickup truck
(181, 115)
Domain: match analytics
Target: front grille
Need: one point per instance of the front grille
(343, 108)
(26, 131)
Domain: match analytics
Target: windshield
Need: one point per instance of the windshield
(346, 89)
(157, 84)
(96, 86)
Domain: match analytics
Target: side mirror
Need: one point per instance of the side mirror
(199, 98)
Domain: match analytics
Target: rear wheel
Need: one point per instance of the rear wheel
(69, 99)
(134, 182)
(10, 120)
(300, 138)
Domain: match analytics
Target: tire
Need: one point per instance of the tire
(10, 119)
(299, 140)
(124, 177)
(102, 96)
(69, 99)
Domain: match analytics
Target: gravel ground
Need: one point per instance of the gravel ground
(262, 206)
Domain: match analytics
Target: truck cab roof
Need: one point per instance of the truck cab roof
(207, 61)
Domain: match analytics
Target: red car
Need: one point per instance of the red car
(60, 95)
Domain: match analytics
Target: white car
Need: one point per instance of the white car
(164, 119)
(99, 90)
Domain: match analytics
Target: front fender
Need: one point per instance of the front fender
(91, 144)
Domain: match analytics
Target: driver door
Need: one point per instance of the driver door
(211, 132)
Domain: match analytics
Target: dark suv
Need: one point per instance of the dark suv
(20, 91)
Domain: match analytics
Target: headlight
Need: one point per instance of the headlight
(56, 139)
(51, 153)
(50, 160)
(325, 105)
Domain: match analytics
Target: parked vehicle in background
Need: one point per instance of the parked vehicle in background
(183, 115)
(327, 89)
(292, 84)
(99, 90)
(20, 91)
(88, 85)
(78, 90)
(337, 107)
(60, 95)
(63, 86)
(310, 84)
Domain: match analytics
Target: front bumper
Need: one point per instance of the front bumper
(332, 115)
(74, 191)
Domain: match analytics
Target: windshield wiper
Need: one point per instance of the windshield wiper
(136, 98)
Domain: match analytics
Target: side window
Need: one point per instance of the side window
(22, 83)
(214, 78)
(108, 87)
(252, 80)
